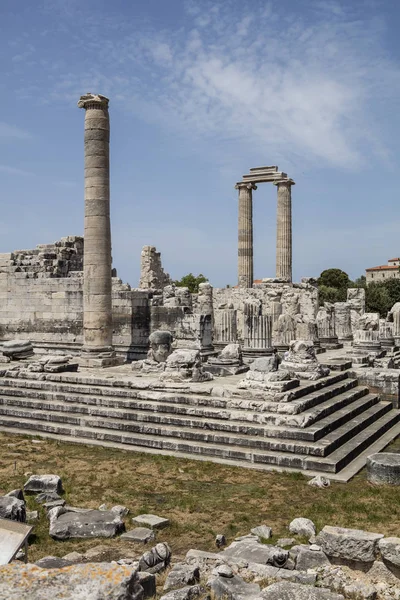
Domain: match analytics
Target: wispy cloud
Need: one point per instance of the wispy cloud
(11, 131)
(15, 171)
(305, 87)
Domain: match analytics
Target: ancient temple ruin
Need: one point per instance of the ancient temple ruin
(259, 374)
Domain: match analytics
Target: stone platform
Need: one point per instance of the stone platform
(324, 426)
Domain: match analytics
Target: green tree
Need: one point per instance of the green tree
(377, 298)
(334, 278)
(191, 281)
(331, 294)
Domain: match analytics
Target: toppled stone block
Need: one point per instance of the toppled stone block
(152, 521)
(139, 534)
(302, 526)
(390, 550)
(285, 590)
(17, 349)
(319, 481)
(358, 589)
(43, 483)
(47, 497)
(384, 468)
(12, 508)
(184, 365)
(156, 559)
(19, 494)
(93, 580)
(250, 550)
(232, 587)
(180, 575)
(90, 524)
(349, 544)
(262, 531)
(220, 540)
(186, 593)
(309, 557)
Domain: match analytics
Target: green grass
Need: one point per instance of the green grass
(201, 499)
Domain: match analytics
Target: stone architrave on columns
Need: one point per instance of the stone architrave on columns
(245, 234)
(284, 230)
(97, 299)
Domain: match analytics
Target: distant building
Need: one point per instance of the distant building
(392, 269)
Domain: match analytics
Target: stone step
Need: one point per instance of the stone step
(200, 431)
(182, 413)
(348, 452)
(331, 464)
(74, 393)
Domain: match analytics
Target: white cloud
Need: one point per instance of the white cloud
(11, 131)
(15, 171)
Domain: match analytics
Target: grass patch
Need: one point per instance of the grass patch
(201, 499)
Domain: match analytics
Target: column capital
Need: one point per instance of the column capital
(96, 101)
(245, 184)
(287, 182)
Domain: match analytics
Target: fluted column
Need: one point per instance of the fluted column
(284, 230)
(97, 303)
(245, 234)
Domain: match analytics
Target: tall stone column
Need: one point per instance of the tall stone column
(97, 301)
(284, 230)
(245, 234)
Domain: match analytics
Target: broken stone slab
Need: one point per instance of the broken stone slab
(268, 572)
(302, 526)
(156, 559)
(96, 581)
(262, 531)
(186, 593)
(390, 550)
(285, 590)
(54, 503)
(52, 562)
(283, 542)
(47, 497)
(19, 494)
(232, 587)
(90, 524)
(319, 481)
(223, 571)
(250, 550)
(203, 558)
(309, 558)
(181, 575)
(148, 583)
(120, 510)
(152, 521)
(349, 544)
(139, 534)
(384, 468)
(359, 589)
(12, 508)
(43, 483)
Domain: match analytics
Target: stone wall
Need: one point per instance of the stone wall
(41, 298)
(152, 274)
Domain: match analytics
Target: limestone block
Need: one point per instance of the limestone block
(12, 508)
(233, 587)
(309, 558)
(93, 580)
(349, 544)
(302, 526)
(285, 590)
(43, 483)
(139, 534)
(180, 575)
(152, 521)
(250, 550)
(156, 559)
(390, 550)
(186, 593)
(384, 468)
(92, 523)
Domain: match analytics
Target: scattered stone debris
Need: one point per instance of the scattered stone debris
(43, 483)
(319, 481)
(152, 521)
(139, 534)
(302, 526)
(12, 508)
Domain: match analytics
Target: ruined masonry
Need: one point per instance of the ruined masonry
(257, 375)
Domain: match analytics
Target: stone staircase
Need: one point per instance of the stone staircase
(326, 426)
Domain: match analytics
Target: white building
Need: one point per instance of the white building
(383, 272)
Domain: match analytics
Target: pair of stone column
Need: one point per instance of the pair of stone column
(283, 232)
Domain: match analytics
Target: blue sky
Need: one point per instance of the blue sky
(200, 92)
